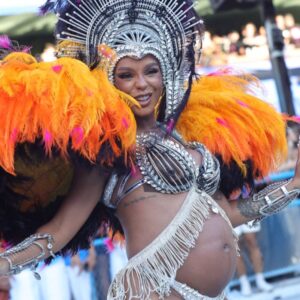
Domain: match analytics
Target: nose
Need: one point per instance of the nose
(141, 83)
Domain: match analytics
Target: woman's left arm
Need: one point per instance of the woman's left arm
(268, 201)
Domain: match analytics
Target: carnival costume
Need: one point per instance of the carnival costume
(55, 115)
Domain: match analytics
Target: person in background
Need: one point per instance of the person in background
(53, 286)
(79, 268)
(249, 32)
(234, 42)
(293, 30)
(247, 235)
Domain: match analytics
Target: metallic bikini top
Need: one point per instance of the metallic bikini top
(166, 166)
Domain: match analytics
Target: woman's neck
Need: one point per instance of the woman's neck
(146, 123)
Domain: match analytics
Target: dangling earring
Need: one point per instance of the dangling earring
(156, 108)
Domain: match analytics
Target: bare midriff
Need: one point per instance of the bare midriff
(210, 265)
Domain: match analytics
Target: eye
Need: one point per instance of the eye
(124, 75)
(152, 71)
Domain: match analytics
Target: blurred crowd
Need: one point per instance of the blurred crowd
(85, 276)
(250, 43)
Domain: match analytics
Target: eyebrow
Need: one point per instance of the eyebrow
(129, 69)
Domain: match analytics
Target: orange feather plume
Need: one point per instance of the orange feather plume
(223, 114)
(60, 102)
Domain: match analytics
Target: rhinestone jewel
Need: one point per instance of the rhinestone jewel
(215, 210)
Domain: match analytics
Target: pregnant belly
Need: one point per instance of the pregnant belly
(212, 263)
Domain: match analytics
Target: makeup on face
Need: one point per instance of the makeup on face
(141, 79)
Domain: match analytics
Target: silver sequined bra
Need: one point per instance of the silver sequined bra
(168, 167)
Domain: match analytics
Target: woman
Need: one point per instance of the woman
(179, 240)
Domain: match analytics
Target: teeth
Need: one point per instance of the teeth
(143, 98)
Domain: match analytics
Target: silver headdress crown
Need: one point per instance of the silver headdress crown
(163, 28)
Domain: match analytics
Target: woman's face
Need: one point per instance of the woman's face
(141, 79)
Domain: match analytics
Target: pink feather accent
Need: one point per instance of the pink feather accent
(170, 126)
(109, 245)
(5, 42)
(241, 103)
(14, 135)
(89, 93)
(221, 72)
(57, 68)
(222, 122)
(78, 134)
(297, 118)
(125, 123)
(133, 171)
(48, 139)
(5, 245)
(26, 49)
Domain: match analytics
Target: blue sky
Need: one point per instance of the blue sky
(8, 7)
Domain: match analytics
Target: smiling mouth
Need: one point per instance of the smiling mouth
(144, 99)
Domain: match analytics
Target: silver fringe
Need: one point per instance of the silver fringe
(153, 270)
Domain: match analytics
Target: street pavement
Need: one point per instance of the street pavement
(288, 289)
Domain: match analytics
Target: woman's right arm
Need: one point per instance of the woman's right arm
(86, 190)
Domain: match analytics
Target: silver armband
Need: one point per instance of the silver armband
(274, 198)
(28, 263)
(268, 201)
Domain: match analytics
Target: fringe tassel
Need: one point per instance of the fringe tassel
(154, 269)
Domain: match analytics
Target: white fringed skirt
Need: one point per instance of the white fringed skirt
(153, 270)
